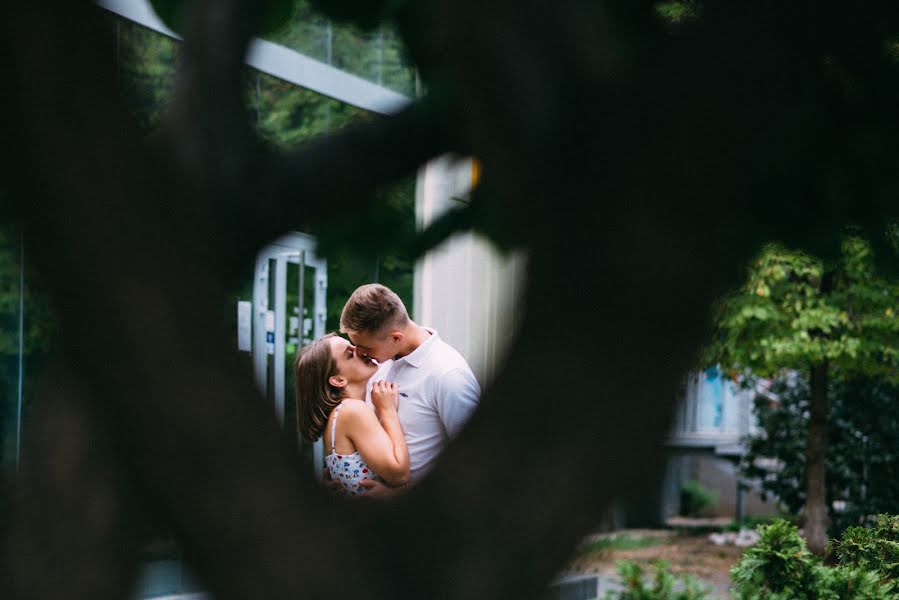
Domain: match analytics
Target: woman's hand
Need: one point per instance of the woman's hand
(385, 395)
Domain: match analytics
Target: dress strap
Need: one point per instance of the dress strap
(334, 426)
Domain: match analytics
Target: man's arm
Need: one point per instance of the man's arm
(457, 398)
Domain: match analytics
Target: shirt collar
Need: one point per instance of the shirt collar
(417, 357)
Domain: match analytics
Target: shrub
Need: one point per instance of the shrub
(847, 583)
(664, 585)
(780, 567)
(875, 549)
(694, 497)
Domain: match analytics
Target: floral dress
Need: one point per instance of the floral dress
(348, 469)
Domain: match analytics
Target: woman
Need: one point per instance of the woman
(330, 390)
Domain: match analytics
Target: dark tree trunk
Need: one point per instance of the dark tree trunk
(816, 519)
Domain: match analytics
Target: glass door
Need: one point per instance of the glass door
(288, 311)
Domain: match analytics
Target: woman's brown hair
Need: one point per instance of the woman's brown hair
(315, 395)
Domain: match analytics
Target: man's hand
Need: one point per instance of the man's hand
(379, 490)
(384, 395)
(332, 485)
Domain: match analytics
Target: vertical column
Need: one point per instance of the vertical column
(260, 308)
(280, 332)
(318, 330)
(321, 307)
(301, 298)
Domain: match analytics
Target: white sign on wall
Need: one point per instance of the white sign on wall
(244, 326)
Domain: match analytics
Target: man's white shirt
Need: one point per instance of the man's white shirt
(438, 394)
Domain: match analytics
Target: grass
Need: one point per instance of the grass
(619, 542)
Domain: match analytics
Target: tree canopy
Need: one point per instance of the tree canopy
(787, 317)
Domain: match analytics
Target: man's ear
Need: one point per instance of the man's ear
(337, 381)
(396, 336)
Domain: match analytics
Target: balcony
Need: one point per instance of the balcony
(715, 414)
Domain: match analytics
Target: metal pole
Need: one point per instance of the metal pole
(301, 299)
(21, 345)
(280, 333)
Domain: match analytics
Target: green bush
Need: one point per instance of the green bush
(847, 583)
(695, 497)
(664, 585)
(875, 549)
(780, 567)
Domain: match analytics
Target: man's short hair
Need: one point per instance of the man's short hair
(373, 308)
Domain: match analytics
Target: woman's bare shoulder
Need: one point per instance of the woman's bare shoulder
(360, 419)
(354, 407)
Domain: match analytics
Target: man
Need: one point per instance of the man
(438, 391)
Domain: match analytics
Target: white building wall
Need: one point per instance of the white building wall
(465, 288)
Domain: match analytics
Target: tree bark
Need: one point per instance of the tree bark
(816, 516)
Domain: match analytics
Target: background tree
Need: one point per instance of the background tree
(862, 463)
(607, 136)
(799, 313)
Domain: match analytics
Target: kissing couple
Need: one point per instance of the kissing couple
(387, 401)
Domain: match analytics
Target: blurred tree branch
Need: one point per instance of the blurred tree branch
(77, 517)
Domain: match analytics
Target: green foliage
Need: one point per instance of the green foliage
(845, 583)
(780, 567)
(39, 336)
(863, 436)
(677, 11)
(871, 549)
(695, 497)
(147, 63)
(378, 55)
(286, 115)
(795, 312)
(664, 585)
(39, 323)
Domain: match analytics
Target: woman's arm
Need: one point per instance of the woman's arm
(379, 439)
